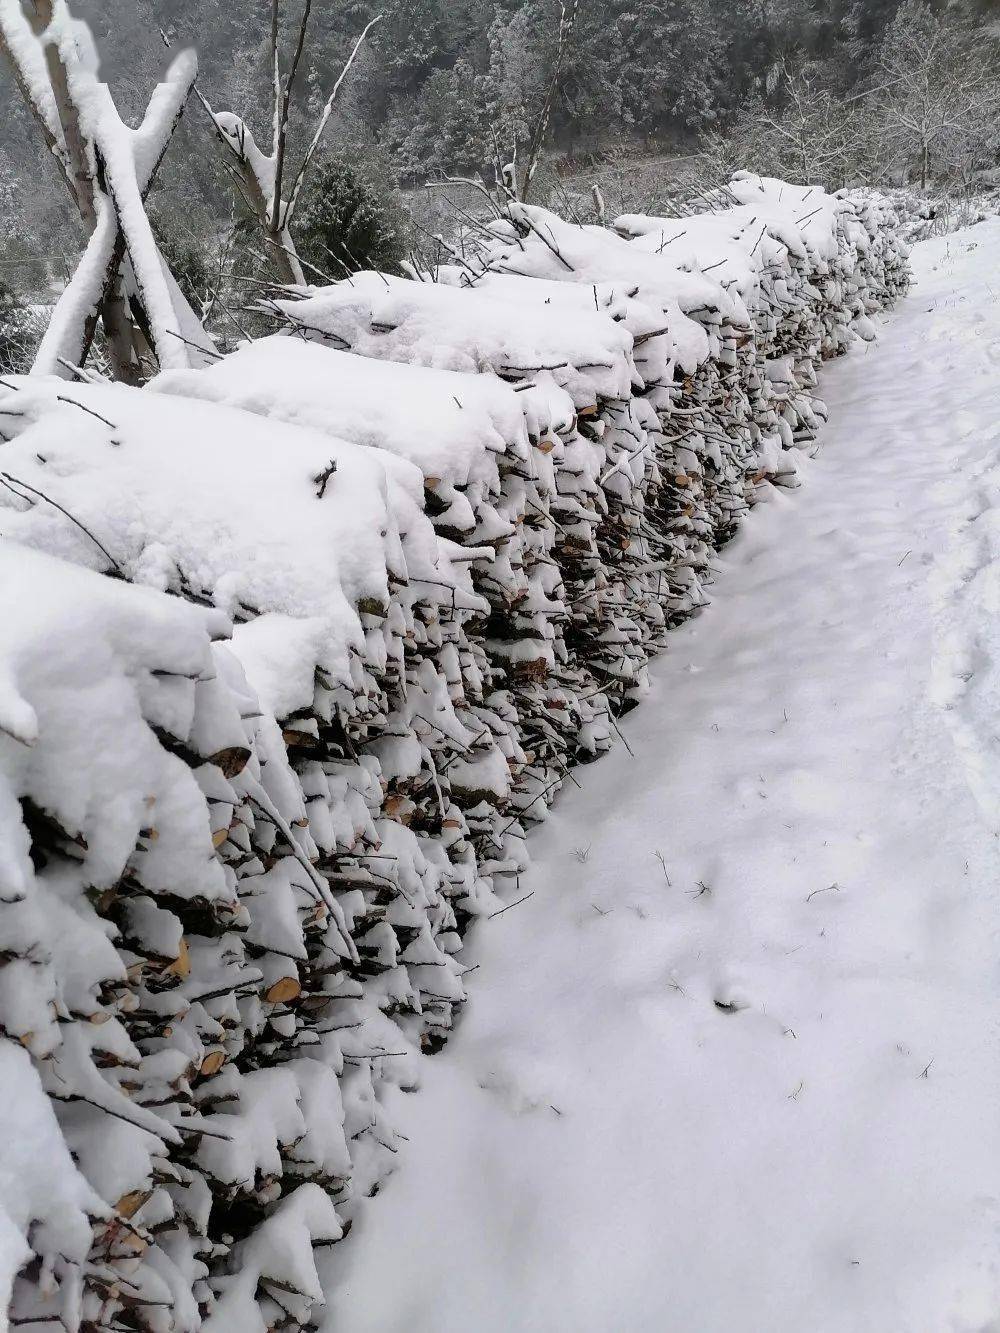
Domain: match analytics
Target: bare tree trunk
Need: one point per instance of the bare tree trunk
(279, 252)
(116, 317)
(78, 172)
(267, 201)
(567, 21)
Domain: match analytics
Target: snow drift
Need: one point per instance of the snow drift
(396, 575)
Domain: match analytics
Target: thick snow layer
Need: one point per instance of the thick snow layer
(191, 496)
(29, 54)
(805, 211)
(569, 252)
(450, 425)
(736, 245)
(431, 324)
(733, 1066)
(39, 1184)
(92, 763)
(654, 349)
(759, 250)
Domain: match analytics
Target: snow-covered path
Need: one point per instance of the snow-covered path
(735, 1067)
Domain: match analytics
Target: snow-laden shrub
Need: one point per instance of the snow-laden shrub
(399, 572)
(17, 332)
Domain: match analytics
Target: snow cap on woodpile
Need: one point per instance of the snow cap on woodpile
(278, 525)
(800, 214)
(735, 246)
(536, 243)
(654, 351)
(397, 319)
(448, 424)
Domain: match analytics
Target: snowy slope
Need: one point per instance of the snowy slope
(733, 1067)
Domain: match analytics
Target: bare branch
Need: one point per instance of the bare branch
(567, 20)
(278, 223)
(323, 122)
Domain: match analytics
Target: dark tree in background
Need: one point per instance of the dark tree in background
(439, 77)
(14, 332)
(351, 218)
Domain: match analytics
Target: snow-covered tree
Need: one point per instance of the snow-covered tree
(801, 127)
(351, 216)
(267, 186)
(447, 128)
(15, 331)
(108, 169)
(520, 179)
(939, 95)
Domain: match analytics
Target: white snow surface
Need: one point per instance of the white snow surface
(191, 494)
(733, 1066)
(431, 324)
(446, 423)
(39, 1182)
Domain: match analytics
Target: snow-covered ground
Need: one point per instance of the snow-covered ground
(734, 1067)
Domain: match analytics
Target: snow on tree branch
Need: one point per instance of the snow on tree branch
(324, 120)
(108, 169)
(259, 176)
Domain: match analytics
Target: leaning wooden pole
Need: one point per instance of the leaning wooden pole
(121, 283)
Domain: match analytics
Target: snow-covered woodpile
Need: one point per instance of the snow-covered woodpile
(400, 568)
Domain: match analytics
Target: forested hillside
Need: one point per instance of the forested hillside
(441, 79)
(441, 75)
(877, 92)
(657, 68)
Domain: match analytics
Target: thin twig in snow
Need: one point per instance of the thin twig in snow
(6, 479)
(205, 351)
(830, 887)
(510, 905)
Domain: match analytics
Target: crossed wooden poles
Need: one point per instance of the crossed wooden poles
(122, 281)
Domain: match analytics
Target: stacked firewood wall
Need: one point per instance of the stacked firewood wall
(401, 574)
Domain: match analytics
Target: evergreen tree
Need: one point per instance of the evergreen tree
(352, 215)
